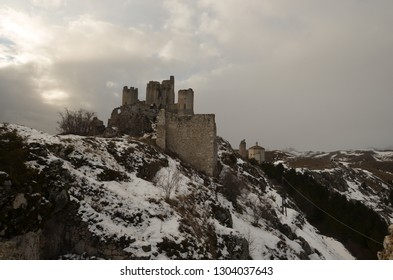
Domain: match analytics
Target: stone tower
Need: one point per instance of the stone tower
(168, 90)
(162, 95)
(243, 149)
(185, 102)
(153, 94)
(130, 96)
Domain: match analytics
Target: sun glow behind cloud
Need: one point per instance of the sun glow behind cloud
(27, 36)
(54, 96)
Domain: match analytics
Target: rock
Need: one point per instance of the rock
(61, 199)
(21, 247)
(286, 230)
(387, 252)
(222, 215)
(146, 248)
(19, 201)
(306, 247)
(238, 247)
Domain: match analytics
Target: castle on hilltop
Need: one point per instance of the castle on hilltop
(192, 137)
(162, 96)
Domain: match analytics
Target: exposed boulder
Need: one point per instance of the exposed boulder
(387, 252)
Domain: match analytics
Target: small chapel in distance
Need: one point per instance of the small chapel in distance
(255, 152)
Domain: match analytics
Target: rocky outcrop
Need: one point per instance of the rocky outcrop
(332, 180)
(22, 247)
(65, 233)
(387, 252)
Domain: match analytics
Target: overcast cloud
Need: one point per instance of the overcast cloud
(312, 75)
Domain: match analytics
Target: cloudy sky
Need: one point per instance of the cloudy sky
(306, 74)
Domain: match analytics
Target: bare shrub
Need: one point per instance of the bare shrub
(168, 182)
(75, 122)
(256, 211)
(261, 208)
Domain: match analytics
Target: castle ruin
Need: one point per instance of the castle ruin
(192, 137)
(130, 96)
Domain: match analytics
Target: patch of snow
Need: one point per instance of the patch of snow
(329, 248)
(383, 155)
(321, 155)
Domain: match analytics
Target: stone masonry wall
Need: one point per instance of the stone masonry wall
(162, 95)
(130, 96)
(186, 102)
(192, 138)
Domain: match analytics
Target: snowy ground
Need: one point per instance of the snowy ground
(134, 208)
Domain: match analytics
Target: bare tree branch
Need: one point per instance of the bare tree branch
(168, 182)
(75, 122)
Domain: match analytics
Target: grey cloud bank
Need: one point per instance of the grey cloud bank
(313, 75)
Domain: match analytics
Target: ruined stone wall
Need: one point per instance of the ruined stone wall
(22, 247)
(161, 130)
(192, 138)
(133, 120)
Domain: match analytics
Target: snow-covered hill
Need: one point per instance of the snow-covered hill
(120, 198)
(363, 175)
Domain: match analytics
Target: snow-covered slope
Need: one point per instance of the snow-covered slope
(365, 176)
(123, 198)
